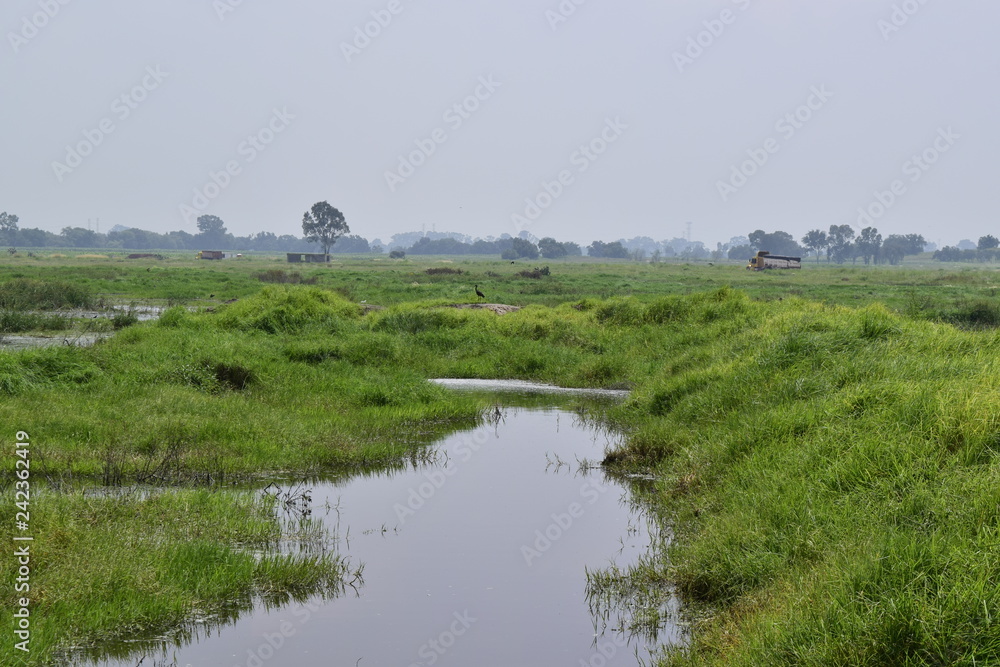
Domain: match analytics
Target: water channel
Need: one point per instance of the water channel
(476, 556)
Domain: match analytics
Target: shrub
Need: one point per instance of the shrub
(535, 273)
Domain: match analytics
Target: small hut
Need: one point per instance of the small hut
(308, 257)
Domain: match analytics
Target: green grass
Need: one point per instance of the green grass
(825, 441)
(921, 287)
(24, 293)
(830, 478)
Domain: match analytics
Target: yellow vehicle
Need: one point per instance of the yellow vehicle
(765, 260)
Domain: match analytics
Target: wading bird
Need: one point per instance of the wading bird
(479, 294)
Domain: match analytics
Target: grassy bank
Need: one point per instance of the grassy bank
(828, 470)
(831, 478)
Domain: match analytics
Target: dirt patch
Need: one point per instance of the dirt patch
(498, 308)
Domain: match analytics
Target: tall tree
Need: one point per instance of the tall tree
(815, 240)
(323, 224)
(839, 239)
(213, 230)
(896, 247)
(8, 227)
(987, 242)
(869, 244)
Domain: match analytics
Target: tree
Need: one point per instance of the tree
(776, 243)
(740, 252)
(614, 250)
(518, 248)
(355, 244)
(213, 230)
(895, 247)
(211, 224)
(323, 224)
(840, 247)
(445, 246)
(987, 242)
(869, 244)
(815, 240)
(8, 227)
(78, 237)
(36, 238)
(550, 248)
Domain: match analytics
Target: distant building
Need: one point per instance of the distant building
(297, 257)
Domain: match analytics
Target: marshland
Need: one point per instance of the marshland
(812, 455)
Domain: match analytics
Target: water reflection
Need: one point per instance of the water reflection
(505, 544)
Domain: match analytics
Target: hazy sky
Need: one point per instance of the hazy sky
(580, 119)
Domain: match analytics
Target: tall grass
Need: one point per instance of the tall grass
(27, 293)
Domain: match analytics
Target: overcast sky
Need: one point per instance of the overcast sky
(598, 120)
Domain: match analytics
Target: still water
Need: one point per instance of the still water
(476, 556)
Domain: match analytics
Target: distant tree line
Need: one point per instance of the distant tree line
(987, 250)
(212, 235)
(507, 247)
(840, 244)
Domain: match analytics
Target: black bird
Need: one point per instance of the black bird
(479, 294)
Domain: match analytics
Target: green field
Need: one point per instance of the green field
(824, 441)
